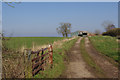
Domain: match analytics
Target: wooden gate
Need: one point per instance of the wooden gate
(41, 58)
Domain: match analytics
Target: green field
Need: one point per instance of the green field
(106, 45)
(18, 42)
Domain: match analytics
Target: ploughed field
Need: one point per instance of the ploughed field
(17, 42)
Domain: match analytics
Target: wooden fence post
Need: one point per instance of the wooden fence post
(51, 55)
(42, 60)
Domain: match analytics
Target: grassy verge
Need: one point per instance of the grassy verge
(106, 45)
(58, 61)
(91, 63)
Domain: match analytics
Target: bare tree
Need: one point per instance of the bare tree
(97, 32)
(108, 25)
(64, 29)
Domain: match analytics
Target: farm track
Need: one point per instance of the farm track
(109, 69)
(77, 67)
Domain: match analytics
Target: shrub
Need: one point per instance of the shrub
(104, 33)
(113, 32)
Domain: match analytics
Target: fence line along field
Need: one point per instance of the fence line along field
(17, 42)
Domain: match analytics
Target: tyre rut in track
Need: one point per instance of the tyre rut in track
(76, 67)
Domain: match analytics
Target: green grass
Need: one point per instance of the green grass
(106, 45)
(58, 61)
(17, 42)
(97, 70)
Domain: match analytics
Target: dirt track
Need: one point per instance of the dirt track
(77, 67)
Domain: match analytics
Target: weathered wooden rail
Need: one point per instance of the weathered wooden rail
(41, 58)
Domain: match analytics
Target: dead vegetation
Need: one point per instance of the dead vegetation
(12, 65)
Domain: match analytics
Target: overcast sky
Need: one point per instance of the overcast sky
(42, 18)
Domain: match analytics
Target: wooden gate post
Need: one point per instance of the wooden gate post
(51, 55)
(42, 59)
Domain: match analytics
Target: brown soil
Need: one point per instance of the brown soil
(109, 69)
(76, 68)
